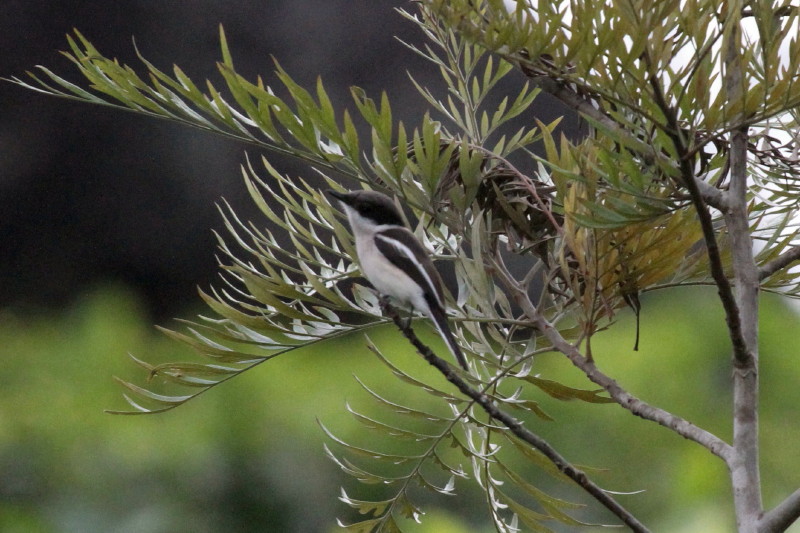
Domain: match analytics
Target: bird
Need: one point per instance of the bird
(394, 261)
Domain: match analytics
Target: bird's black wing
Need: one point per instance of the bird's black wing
(404, 251)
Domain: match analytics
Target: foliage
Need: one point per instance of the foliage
(593, 222)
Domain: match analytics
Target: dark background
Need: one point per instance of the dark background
(90, 194)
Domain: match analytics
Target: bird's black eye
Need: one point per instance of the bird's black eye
(368, 210)
(378, 210)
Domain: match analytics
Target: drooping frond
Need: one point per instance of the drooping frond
(288, 292)
(441, 451)
(305, 127)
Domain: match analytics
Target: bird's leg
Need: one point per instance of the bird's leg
(407, 319)
(386, 301)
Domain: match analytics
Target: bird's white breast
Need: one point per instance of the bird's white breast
(386, 277)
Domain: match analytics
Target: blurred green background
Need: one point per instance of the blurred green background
(247, 456)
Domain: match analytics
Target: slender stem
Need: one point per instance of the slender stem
(724, 288)
(513, 424)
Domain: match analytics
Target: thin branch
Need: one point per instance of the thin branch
(581, 105)
(783, 11)
(779, 263)
(638, 407)
(741, 351)
(782, 516)
(516, 426)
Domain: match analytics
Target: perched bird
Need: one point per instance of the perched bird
(394, 261)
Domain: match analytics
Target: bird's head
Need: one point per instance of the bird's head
(373, 207)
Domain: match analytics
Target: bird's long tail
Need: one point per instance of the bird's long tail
(439, 318)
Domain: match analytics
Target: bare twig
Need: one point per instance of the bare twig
(516, 426)
(779, 263)
(782, 516)
(783, 11)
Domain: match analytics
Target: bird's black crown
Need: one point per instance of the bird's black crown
(371, 205)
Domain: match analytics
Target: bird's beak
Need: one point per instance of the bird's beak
(343, 197)
(336, 194)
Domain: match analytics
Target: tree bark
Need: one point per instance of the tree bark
(744, 467)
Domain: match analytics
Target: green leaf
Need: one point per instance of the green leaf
(375, 508)
(563, 392)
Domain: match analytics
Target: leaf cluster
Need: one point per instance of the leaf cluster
(294, 285)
